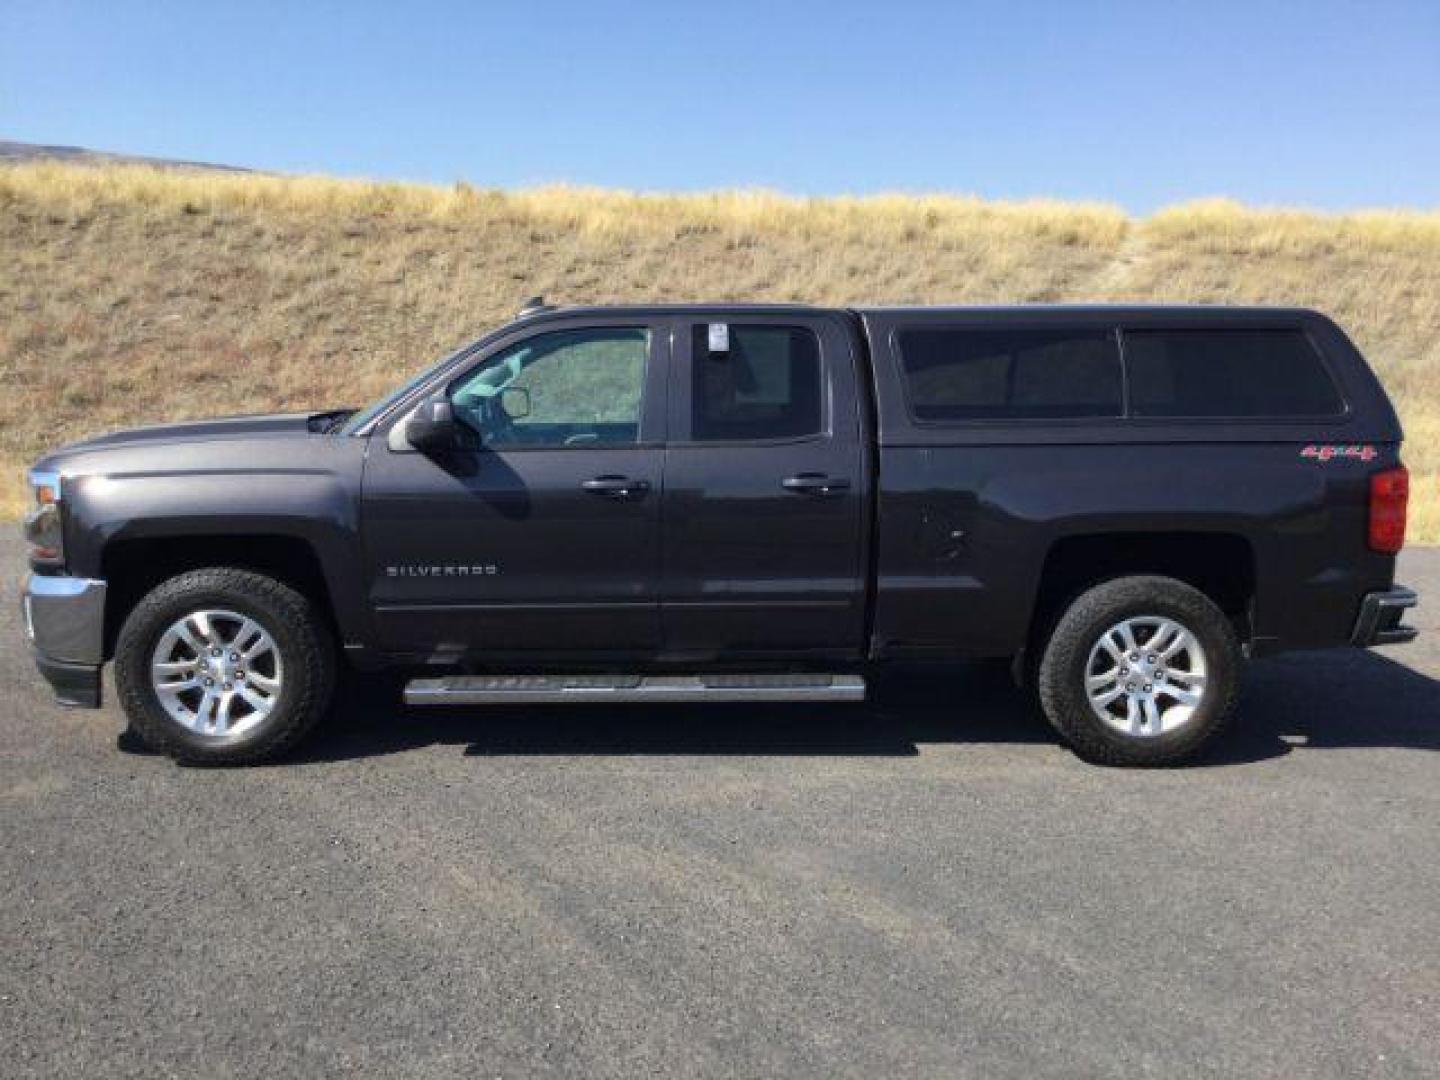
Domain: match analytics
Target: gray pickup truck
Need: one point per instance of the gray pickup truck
(740, 503)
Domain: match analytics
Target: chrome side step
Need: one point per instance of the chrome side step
(553, 689)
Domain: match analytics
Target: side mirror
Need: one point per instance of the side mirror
(433, 427)
(515, 402)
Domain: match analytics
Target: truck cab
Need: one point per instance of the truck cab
(649, 485)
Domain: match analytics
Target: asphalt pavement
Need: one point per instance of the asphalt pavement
(923, 885)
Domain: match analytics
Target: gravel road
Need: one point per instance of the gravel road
(924, 885)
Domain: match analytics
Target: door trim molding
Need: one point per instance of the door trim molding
(518, 605)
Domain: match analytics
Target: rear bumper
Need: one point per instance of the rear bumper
(1380, 615)
(65, 622)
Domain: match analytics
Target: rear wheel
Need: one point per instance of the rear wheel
(224, 666)
(1140, 671)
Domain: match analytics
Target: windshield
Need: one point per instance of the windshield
(374, 409)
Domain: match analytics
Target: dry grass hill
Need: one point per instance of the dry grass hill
(131, 294)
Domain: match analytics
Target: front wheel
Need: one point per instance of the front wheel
(225, 666)
(1140, 671)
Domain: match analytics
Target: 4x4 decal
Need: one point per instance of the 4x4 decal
(1329, 453)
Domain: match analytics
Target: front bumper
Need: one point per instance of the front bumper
(65, 622)
(1380, 615)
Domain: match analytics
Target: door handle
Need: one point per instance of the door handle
(615, 487)
(815, 484)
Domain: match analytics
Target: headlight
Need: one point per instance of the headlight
(42, 524)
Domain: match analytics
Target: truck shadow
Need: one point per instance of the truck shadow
(1335, 699)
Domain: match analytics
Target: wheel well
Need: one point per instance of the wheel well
(1220, 565)
(133, 567)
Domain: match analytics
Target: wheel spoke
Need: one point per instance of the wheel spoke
(256, 701)
(204, 710)
(1182, 643)
(227, 707)
(222, 712)
(205, 628)
(1179, 694)
(1132, 716)
(1108, 696)
(192, 642)
(1127, 636)
(1105, 678)
(1165, 634)
(1152, 715)
(242, 643)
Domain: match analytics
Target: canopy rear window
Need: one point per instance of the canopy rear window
(1267, 374)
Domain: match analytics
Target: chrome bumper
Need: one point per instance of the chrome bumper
(1380, 615)
(65, 622)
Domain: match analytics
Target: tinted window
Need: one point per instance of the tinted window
(568, 388)
(1236, 373)
(956, 374)
(766, 385)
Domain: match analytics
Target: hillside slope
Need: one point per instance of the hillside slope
(12, 152)
(132, 295)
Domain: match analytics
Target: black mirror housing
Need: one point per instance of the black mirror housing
(432, 427)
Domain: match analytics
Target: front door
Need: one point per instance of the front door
(766, 480)
(542, 537)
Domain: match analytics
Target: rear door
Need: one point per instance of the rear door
(766, 482)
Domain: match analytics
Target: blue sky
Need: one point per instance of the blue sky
(1328, 104)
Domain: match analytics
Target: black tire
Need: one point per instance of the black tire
(302, 639)
(1066, 664)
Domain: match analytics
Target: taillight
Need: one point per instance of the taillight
(1389, 493)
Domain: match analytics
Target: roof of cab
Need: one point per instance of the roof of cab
(977, 312)
(582, 310)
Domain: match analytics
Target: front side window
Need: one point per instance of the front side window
(765, 384)
(567, 388)
(1228, 373)
(957, 374)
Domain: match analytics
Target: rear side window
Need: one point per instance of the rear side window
(1228, 373)
(764, 385)
(960, 374)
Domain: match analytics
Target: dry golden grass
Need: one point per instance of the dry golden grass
(134, 295)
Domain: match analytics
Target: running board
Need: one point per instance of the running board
(553, 689)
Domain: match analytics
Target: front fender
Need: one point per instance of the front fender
(301, 488)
